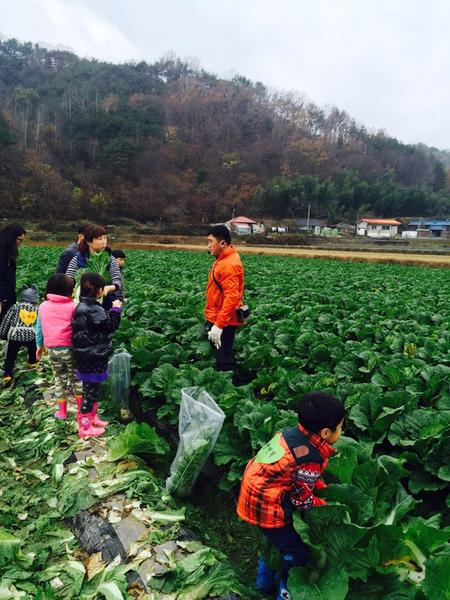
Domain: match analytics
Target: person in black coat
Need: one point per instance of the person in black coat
(92, 329)
(67, 255)
(10, 239)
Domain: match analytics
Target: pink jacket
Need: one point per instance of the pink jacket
(55, 315)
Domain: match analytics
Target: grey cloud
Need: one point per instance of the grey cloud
(385, 62)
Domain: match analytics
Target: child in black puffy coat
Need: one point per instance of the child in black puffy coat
(92, 329)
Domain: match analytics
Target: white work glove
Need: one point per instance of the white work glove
(214, 336)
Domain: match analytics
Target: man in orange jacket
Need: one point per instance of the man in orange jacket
(224, 293)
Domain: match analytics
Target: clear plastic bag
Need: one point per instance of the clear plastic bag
(119, 379)
(199, 425)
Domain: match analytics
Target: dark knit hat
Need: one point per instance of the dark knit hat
(29, 294)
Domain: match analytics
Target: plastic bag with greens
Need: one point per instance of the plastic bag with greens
(199, 425)
(119, 378)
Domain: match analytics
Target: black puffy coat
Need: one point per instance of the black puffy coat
(7, 279)
(92, 329)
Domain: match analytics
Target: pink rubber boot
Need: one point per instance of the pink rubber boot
(86, 428)
(94, 418)
(61, 413)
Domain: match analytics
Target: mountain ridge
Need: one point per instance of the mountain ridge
(171, 142)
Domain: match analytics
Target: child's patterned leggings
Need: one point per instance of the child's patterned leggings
(63, 368)
(91, 392)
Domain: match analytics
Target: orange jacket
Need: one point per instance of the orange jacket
(221, 305)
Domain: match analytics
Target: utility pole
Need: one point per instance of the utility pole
(307, 218)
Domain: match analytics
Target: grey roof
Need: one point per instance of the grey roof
(312, 222)
(344, 225)
(431, 222)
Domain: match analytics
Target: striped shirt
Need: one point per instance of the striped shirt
(113, 270)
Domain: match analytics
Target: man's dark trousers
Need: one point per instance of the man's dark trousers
(224, 355)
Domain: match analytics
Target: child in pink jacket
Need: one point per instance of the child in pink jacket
(54, 333)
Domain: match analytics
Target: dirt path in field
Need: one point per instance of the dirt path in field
(373, 257)
(428, 260)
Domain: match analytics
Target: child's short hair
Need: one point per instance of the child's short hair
(59, 284)
(317, 410)
(118, 254)
(91, 284)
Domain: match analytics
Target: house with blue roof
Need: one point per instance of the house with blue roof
(434, 227)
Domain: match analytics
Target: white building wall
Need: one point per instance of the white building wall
(377, 231)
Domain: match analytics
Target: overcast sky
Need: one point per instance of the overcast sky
(386, 62)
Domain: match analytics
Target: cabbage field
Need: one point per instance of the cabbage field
(376, 336)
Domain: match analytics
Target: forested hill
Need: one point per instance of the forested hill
(169, 142)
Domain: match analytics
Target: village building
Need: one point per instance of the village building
(430, 228)
(345, 228)
(244, 225)
(378, 228)
(307, 224)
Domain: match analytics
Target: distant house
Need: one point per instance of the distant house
(431, 227)
(242, 225)
(378, 228)
(344, 227)
(310, 224)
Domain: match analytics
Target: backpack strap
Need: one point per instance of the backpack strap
(301, 448)
(216, 282)
(81, 260)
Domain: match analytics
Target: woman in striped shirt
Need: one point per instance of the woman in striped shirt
(93, 256)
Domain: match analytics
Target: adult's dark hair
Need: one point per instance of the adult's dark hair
(317, 410)
(81, 228)
(8, 236)
(91, 284)
(221, 233)
(90, 233)
(118, 253)
(59, 284)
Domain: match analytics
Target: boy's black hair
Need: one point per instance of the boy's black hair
(91, 284)
(59, 284)
(317, 410)
(221, 232)
(118, 254)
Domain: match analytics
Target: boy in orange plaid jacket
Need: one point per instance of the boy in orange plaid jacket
(282, 477)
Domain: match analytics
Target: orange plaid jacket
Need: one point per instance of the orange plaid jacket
(282, 477)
